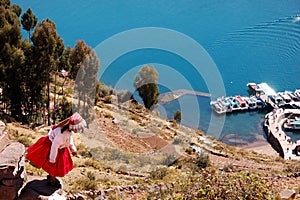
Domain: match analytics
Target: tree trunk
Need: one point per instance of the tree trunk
(48, 102)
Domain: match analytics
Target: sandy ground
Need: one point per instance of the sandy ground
(262, 146)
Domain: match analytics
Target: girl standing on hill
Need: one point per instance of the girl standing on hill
(52, 152)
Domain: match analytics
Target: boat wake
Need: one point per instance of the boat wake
(282, 35)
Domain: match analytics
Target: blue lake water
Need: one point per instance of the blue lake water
(249, 41)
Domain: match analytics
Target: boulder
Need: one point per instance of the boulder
(12, 167)
(38, 189)
(4, 140)
(287, 194)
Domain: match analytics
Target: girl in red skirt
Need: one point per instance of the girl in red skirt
(52, 152)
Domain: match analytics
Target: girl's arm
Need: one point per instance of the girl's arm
(72, 147)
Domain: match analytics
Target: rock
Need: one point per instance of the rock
(39, 189)
(12, 169)
(4, 141)
(287, 194)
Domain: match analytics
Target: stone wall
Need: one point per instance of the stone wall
(12, 166)
(272, 139)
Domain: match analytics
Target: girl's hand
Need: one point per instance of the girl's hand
(52, 164)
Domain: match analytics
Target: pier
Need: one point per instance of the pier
(282, 105)
(282, 143)
(173, 95)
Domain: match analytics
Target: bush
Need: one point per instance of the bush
(105, 90)
(93, 163)
(107, 99)
(159, 173)
(213, 184)
(134, 117)
(177, 116)
(189, 150)
(203, 160)
(83, 151)
(87, 183)
(123, 96)
(24, 140)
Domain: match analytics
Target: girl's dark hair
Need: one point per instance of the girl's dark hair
(66, 127)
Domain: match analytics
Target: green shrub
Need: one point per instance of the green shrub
(87, 183)
(203, 160)
(159, 173)
(189, 150)
(134, 117)
(83, 151)
(177, 116)
(210, 184)
(24, 140)
(93, 163)
(107, 99)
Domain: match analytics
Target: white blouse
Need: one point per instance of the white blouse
(60, 140)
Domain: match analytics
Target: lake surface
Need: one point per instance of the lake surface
(248, 41)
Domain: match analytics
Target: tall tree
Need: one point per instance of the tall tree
(85, 66)
(5, 3)
(48, 48)
(77, 56)
(146, 84)
(11, 57)
(29, 21)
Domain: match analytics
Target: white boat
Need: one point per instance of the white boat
(218, 107)
(234, 104)
(286, 97)
(260, 103)
(242, 102)
(222, 105)
(278, 100)
(252, 102)
(292, 124)
(294, 96)
(297, 92)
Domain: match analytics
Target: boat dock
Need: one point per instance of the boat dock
(282, 105)
(263, 96)
(282, 143)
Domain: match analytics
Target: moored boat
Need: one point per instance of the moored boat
(252, 102)
(292, 124)
(242, 103)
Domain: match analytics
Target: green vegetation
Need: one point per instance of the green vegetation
(29, 67)
(146, 84)
(177, 116)
(191, 181)
(29, 21)
(87, 183)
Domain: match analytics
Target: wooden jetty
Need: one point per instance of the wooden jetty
(176, 94)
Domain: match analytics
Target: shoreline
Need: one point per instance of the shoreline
(261, 146)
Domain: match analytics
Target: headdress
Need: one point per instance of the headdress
(76, 122)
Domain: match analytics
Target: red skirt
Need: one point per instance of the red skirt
(39, 152)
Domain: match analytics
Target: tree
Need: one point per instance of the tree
(47, 48)
(29, 21)
(17, 9)
(77, 56)
(85, 65)
(177, 116)
(146, 84)
(5, 3)
(87, 80)
(11, 57)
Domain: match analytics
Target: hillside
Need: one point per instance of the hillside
(130, 153)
